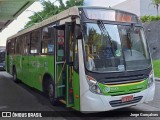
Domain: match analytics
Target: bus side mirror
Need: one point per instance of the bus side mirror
(78, 32)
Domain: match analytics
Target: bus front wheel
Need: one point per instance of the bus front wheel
(51, 92)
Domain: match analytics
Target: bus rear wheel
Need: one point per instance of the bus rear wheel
(15, 75)
(51, 92)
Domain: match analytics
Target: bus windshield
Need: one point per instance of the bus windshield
(115, 48)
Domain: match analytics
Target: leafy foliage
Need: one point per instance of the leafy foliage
(50, 9)
(150, 18)
(156, 66)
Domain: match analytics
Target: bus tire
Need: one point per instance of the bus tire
(15, 79)
(51, 92)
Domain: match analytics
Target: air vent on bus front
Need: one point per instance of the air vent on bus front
(123, 80)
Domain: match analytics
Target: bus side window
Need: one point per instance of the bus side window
(26, 44)
(47, 40)
(18, 45)
(35, 42)
(60, 45)
(22, 41)
(11, 47)
(8, 48)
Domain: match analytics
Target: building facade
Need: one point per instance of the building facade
(138, 7)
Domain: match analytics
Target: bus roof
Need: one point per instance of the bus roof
(69, 12)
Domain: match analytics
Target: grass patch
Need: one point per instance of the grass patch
(156, 66)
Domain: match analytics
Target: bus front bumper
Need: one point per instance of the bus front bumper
(91, 102)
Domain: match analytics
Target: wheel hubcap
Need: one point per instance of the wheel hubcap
(50, 91)
(14, 76)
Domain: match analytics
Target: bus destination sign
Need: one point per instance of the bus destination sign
(110, 15)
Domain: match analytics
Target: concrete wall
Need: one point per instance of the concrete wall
(130, 6)
(153, 38)
(146, 8)
(139, 7)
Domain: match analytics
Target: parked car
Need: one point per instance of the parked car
(2, 60)
(2, 65)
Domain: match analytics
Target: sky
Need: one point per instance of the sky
(19, 23)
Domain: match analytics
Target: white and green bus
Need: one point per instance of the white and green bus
(90, 58)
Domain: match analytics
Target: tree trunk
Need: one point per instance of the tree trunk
(157, 7)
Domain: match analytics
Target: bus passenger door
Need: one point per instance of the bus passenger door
(59, 72)
(63, 65)
(69, 36)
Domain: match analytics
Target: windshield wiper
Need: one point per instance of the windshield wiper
(130, 42)
(104, 33)
(129, 37)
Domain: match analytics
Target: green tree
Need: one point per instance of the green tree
(61, 4)
(94, 39)
(71, 3)
(156, 3)
(50, 9)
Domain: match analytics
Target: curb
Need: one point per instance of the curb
(157, 79)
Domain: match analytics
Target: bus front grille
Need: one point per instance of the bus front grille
(123, 80)
(117, 103)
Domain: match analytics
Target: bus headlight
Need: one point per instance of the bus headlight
(151, 79)
(93, 86)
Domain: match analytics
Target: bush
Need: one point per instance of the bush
(145, 18)
(156, 67)
(148, 18)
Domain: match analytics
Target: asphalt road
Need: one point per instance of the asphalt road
(19, 97)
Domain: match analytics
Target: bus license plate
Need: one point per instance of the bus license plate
(127, 98)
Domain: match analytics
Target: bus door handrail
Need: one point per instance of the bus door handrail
(61, 72)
